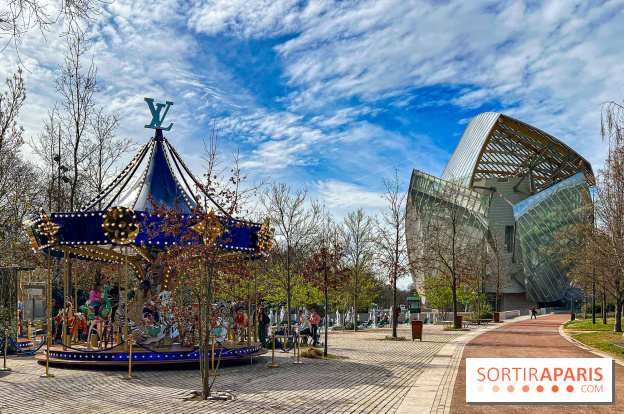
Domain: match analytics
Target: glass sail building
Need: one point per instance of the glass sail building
(513, 180)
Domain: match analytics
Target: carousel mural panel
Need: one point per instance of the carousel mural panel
(123, 226)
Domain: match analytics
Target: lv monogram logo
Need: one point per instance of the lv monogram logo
(157, 120)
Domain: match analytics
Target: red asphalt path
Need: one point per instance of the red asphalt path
(529, 339)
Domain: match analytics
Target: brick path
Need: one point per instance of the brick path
(432, 392)
(374, 378)
(529, 339)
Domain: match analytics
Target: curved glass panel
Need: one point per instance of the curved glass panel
(538, 218)
(431, 204)
(464, 159)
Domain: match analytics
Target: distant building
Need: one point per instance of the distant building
(520, 182)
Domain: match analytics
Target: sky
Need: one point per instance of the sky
(333, 95)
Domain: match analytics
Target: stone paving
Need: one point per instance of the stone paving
(374, 377)
(432, 392)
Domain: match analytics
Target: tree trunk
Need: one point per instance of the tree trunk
(326, 315)
(454, 289)
(289, 293)
(394, 306)
(479, 289)
(604, 308)
(355, 300)
(617, 327)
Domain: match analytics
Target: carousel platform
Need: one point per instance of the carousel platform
(25, 344)
(174, 354)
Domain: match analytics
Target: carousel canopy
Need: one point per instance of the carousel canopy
(150, 174)
(157, 173)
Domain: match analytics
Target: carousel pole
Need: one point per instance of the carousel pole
(65, 293)
(255, 315)
(249, 318)
(125, 325)
(49, 315)
(75, 276)
(118, 333)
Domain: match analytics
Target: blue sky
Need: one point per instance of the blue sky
(333, 95)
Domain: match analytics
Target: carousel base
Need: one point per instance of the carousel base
(25, 344)
(174, 354)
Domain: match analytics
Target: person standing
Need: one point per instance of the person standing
(263, 323)
(314, 319)
(304, 324)
(533, 313)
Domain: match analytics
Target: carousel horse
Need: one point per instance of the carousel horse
(96, 321)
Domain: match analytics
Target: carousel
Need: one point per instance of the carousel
(114, 227)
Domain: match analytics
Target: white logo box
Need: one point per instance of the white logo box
(540, 381)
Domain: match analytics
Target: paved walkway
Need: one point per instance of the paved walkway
(432, 392)
(529, 339)
(374, 377)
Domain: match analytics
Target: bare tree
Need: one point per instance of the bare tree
(106, 150)
(359, 247)
(17, 17)
(53, 152)
(18, 183)
(500, 270)
(392, 243)
(325, 268)
(77, 85)
(450, 221)
(295, 226)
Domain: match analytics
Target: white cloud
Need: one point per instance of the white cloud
(341, 198)
(549, 63)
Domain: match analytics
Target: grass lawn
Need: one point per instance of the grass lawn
(586, 325)
(600, 340)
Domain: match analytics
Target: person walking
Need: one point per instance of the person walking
(533, 313)
(263, 323)
(314, 319)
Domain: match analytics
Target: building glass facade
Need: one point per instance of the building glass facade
(511, 178)
(539, 219)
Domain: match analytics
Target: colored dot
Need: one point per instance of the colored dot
(480, 388)
(570, 388)
(495, 388)
(555, 388)
(510, 388)
(540, 388)
(525, 388)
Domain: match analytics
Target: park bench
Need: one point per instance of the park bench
(480, 321)
(445, 323)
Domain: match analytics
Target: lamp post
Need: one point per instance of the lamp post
(61, 169)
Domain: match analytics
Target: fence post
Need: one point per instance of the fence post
(273, 364)
(6, 344)
(298, 349)
(129, 377)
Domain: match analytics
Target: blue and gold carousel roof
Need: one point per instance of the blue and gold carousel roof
(156, 175)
